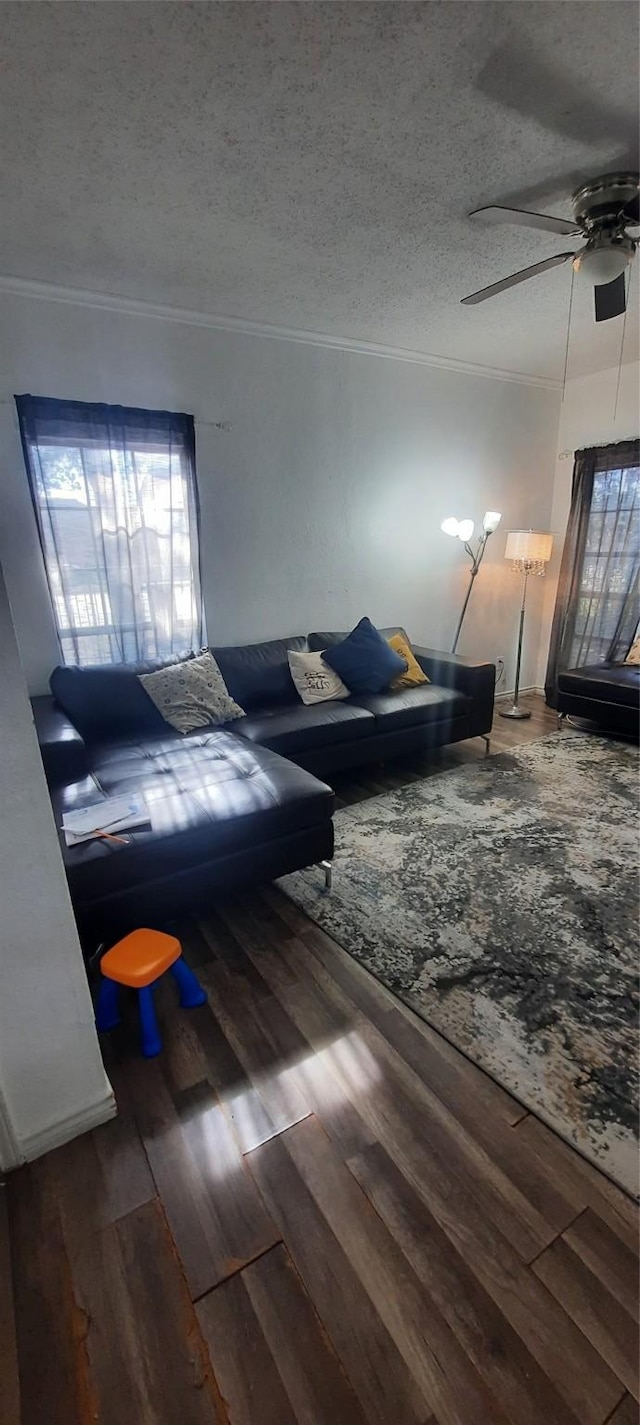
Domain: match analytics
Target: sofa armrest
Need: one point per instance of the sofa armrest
(62, 748)
(464, 675)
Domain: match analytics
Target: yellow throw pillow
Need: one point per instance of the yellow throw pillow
(633, 656)
(414, 674)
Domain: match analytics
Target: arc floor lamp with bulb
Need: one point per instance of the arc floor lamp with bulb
(529, 552)
(463, 530)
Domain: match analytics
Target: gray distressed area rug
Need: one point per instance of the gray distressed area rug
(500, 901)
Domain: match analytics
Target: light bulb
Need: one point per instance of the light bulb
(465, 530)
(490, 521)
(450, 526)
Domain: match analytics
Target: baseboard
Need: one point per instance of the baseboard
(56, 1134)
(510, 692)
(9, 1152)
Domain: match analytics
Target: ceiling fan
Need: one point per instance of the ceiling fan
(603, 210)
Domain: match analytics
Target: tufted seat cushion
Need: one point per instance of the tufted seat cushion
(208, 795)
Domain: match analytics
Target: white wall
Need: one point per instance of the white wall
(588, 416)
(324, 501)
(52, 1081)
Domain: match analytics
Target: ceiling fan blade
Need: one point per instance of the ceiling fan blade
(516, 277)
(611, 299)
(522, 218)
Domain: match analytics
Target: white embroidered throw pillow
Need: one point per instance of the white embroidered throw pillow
(191, 694)
(315, 681)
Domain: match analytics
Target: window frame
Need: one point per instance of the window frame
(45, 424)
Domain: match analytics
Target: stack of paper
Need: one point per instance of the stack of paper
(113, 814)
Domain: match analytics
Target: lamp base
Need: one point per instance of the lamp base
(515, 712)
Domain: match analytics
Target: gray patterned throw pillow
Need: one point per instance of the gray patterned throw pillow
(191, 694)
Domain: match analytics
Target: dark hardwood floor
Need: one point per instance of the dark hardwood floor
(311, 1210)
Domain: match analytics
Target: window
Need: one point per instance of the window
(597, 600)
(608, 580)
(114, 491)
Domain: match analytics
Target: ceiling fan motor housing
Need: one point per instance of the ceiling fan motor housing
(602, 202)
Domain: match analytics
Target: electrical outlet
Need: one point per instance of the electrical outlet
(499, 671)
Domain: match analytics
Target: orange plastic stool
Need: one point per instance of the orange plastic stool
(138, 961)
(142, 957)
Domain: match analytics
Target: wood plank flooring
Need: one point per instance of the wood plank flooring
(312, 1210)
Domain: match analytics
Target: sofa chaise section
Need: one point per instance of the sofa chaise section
(222, 814)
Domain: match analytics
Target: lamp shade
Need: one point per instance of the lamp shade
(528, 546)
(491, 521)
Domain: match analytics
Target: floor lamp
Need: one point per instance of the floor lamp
(463, 530)
(529, 552)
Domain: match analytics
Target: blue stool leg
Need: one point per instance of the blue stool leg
(191, 991)
(150, 1040)
(107, 1010)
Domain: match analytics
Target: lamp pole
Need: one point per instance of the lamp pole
(529, 552)
(476, 561)
(516, 711)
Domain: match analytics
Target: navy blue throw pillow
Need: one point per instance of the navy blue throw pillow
(364, 660)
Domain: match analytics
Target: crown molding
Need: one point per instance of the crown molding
(130, 306)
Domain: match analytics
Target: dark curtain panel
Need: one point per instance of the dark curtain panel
(596, 611)
(115, 496)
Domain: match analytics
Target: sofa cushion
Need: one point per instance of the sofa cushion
(410, 707)
(208, 795)
(257, 674)
(299, 729)
(319, 641)
(607, 682)
(108, 700)
(364, 660)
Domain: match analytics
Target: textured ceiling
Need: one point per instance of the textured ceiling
(311, 165)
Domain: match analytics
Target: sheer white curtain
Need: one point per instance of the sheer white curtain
(115, 496)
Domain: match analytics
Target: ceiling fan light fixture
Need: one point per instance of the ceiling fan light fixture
(604, 259)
